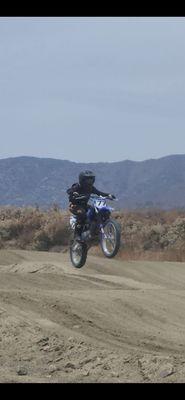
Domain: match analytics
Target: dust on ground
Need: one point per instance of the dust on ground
(110, 321)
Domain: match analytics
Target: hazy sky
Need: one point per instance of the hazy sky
(91, 89)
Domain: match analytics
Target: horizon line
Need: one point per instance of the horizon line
(92, 162)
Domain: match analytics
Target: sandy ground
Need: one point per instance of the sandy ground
(110, 321)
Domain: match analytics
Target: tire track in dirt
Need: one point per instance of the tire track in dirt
(111, 321)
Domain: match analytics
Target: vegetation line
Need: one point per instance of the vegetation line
(147, 234)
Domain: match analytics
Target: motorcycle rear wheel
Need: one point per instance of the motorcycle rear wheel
(78, 253)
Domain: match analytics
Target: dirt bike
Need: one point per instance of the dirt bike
(99, 228)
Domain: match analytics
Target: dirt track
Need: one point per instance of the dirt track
(111, 321)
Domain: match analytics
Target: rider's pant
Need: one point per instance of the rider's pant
(80, 213)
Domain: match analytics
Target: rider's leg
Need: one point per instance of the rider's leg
(80, 213)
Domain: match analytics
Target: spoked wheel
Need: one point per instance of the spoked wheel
(110, 239)
(78, 254)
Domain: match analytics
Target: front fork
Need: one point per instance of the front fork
(103, 232)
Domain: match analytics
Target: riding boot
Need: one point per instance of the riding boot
(78, 232)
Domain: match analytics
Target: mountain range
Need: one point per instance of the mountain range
(30, 181)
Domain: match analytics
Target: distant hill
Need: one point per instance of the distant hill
(43, 181)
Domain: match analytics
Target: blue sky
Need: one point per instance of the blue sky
(91, 89)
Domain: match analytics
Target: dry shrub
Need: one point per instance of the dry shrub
(54, 232)
(152, 235)
(145, 234)
(31, 228)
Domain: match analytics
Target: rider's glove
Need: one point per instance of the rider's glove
(111, 196)
(75, 194)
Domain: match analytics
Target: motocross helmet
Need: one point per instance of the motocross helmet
(86, 178)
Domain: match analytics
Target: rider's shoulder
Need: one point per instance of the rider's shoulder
(75, 186)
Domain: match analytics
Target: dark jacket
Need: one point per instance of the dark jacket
(83, 190)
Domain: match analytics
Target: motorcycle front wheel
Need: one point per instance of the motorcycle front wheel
(110, 238)
(78, 253)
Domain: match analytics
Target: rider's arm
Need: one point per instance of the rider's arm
(98, 192)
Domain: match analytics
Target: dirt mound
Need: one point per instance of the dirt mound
(111, 321)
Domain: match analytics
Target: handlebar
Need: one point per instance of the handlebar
(84, 197)
(102, 198)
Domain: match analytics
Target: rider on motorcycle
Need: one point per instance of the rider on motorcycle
(79, 207)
